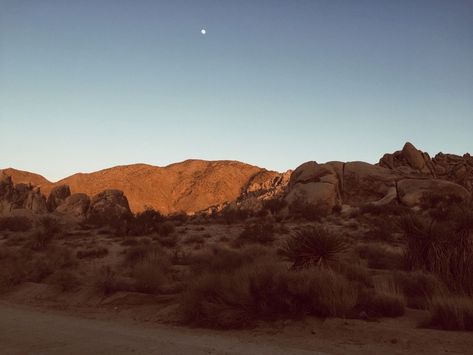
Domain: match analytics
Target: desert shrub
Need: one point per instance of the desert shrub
(107, 281)
(60, 257)
(65, 280)
(387, 300)
(443, 246)
(92, 253)
(194, 239)
(145, 223)
(261, 232)
(265, 291)
(381, 256)
(232, 215)
(418, 287)
(168, 241)
(45, 231)
(15, 224)
(151, 274)
(166, 228)
(224, 259)
(308, 211)
(451, 313)
(354, 272)
(314, 246)
(274, 205)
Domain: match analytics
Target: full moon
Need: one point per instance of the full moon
(203, 31)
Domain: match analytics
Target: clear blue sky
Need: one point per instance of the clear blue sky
(86, 85)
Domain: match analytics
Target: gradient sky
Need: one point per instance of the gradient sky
(86, 85)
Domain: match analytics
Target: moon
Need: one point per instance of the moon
(203, 31)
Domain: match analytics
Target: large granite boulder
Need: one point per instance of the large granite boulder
(412, 191)
(57, 196)
(366, 183)
(315, 184)
(109, 206)
(76, 205)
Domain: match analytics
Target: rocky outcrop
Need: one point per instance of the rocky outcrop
(404, 176)
(317, 184)
(409, 161)
(57, 196)
(20, 196)
(412, 191)
(109, 205)
(76, 205)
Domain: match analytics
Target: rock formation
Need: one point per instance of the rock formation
(57, 196)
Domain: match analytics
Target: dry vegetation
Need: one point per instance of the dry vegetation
(233, 269)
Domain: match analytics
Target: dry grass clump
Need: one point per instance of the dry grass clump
(314, 246)
(418, 287)
(46, 230)
(92, 253)
(15, 224)
(451, 313)
(261, 233)
(152, 273)
(225, 260)
(22, 265)
(387, 300)
(443, 246)
(65, 280)
(381, 256)
(308, 211)
(236, 298)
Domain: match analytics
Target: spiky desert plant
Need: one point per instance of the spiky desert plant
(443, 247)
(314, 246)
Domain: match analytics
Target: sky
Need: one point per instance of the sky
(86, 85)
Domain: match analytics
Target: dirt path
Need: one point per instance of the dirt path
(28, 331)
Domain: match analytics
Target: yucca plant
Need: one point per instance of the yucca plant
(314, 246)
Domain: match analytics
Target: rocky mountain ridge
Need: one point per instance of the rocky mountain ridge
(404, 176)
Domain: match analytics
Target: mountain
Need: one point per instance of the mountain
(189, 186)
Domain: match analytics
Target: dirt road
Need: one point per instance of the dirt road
(29, 331)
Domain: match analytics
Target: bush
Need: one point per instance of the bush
(443, 246)
(308, 211)
(145, 223)
(15, 224)
(151, 274)
(92, 253)
(225, 260)
(314, 246)
(387, 300)
(451, 313)
(262, 233)
(47, 229)
(274, 205)
(381, 256)
(418, 287)
(65, 280)
(108, 283)
(264, 291)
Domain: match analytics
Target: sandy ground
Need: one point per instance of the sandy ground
(35, 330)
(28, 331)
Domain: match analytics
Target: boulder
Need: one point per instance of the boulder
(36, 202)
(317, 184)
(108, 206)
(413, 156)
(411, 191)
(57, 196)
(321, 194)
(365, 183)
(76, 205)
(20, 196)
